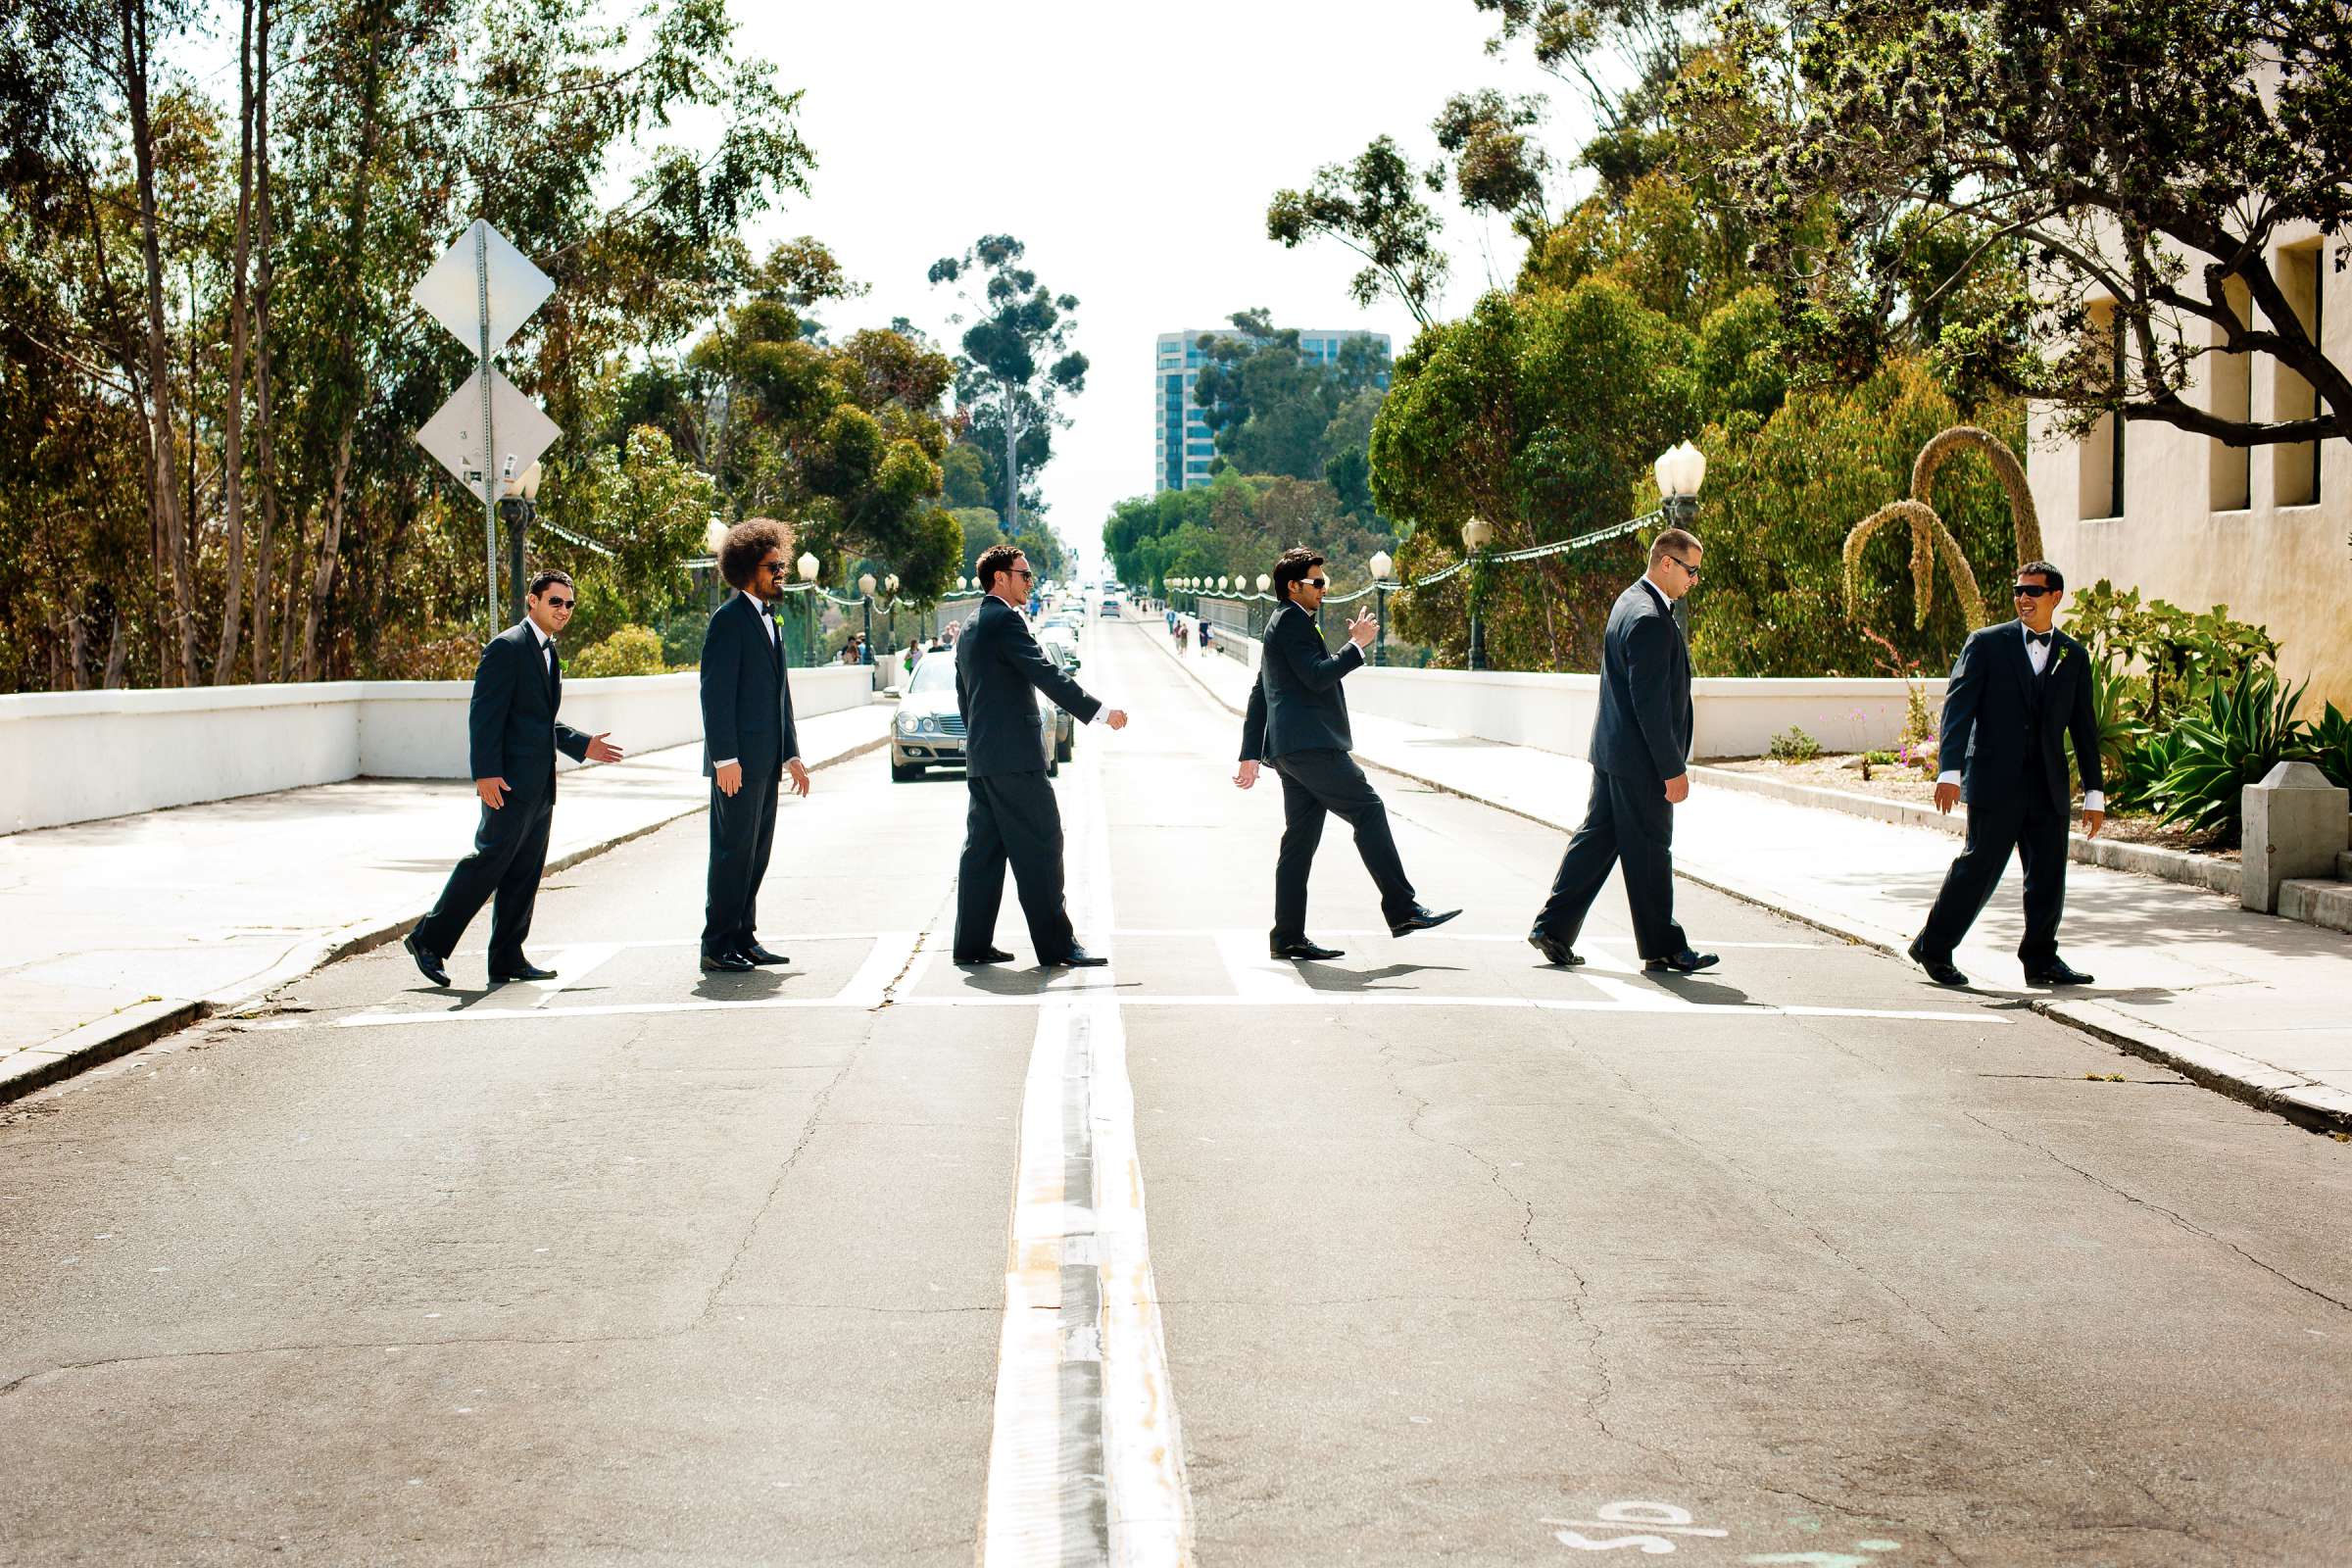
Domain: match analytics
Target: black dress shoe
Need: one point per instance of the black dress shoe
(727, 963)
(522, 971)
(2056, 973)
(1554, 951)
(985, 956)
(1939, 971)
(1421, 919)
(1078, 958)
(428, 962)
(1301, 948)
(759, 955)
(1682, 962)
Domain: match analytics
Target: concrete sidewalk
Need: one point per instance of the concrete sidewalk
(115, 932)
(2254, 1006)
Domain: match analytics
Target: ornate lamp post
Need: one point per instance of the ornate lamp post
(890, 628)
(1265, 585)
(1477, 534)
(866, 586)
(807, 566)
(1382, 570)
(1680, 472)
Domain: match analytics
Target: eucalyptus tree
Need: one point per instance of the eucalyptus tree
(1016, 364)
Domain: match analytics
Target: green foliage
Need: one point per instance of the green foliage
(1373, 207)
(2163, 654)
(1541, 413)
(629, 650)
(1795, 746)
(1273, 410)
(1015, 368)
(410, 651)
(646, 507)
(1774, 515)
(1235, 526)
(2239, 732)
(1909, 164)
(2326, 743)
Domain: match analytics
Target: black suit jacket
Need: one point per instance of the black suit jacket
(2003, 735)
(512, 729)
(1297, 704)
(999, 669)
(747, 697)
(1642, 729)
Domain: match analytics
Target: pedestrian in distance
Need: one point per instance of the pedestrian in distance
(1013, 817)
(749, 742)
(2018, 693)
(1640, 770)
(513, 735)
(1298, 720)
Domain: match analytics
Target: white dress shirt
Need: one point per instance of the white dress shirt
(2037, 654)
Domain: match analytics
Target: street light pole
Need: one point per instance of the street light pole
(1477, 534)
(866, 586)
(807, 566)
(1382, 568)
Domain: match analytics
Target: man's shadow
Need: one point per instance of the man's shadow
(1690, 987)
(756, 986)
(1003, 980)
(1323, 977)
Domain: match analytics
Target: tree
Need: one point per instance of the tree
(1541, 413)
(1274, 410)
(2113, 175)
(1373, 206)
(1017, 362)
(649, 512)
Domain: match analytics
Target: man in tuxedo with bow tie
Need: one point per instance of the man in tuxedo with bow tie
(2018, 691)
(749, 742)
(513, 737)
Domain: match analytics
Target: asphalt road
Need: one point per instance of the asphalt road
(1449, 1256)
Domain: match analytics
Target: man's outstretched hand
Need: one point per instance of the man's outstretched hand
(602, 750)
(1363, 628)
(1116, 718)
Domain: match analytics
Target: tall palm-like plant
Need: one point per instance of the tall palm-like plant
(1930, 536)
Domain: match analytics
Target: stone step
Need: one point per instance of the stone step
(2316, 903)
(2343, 866)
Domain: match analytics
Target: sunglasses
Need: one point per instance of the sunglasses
(773, 567)
(2031, 590)
(1316, 582)
(1025, 576)
(1686, 565)
(558, 604)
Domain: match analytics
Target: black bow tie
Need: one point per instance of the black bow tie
(2042, 637)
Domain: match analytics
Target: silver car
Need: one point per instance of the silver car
(928, 731)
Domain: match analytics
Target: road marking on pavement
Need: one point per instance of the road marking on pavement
(883, 963)
(1255, 976)
(571, 965)
(1086, 1462)
(1449, 935)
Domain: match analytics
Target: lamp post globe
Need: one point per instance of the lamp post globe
(1264, 582)
(1680, 470)
(1382, 567)
(866, 644)
(1477, 534)
(890, 585)
(809, 565)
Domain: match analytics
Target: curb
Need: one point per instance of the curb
(118, 1034)
(2242, 1078)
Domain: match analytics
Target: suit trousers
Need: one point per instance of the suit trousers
(1013, 818)
(743, 829)
(2026, 821)
(1325, 781)
(510, 852)
(1628, 822)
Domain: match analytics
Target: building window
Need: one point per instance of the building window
(2099, 484)
(2296, 466)
(2232, 381)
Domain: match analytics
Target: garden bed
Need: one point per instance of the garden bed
(1832, 771)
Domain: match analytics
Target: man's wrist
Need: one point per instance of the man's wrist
(1950, 777)
(2095, 801)
(725, 761)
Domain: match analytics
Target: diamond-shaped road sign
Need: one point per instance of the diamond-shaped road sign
(455, 434)
(450, 292)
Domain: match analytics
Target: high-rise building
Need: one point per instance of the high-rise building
(1181, 446)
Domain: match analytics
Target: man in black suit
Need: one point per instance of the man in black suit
(2019, 690)
(1640, 770)
(749, 742)
(1012, 815)
(1298, 720)
(513, 737)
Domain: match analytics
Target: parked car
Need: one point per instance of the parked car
(1065, 728)
(929, 730)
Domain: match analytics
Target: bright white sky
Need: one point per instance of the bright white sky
(1133, 148)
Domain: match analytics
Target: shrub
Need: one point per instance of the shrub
(631, 650)
(438, 651)
(1794, 746)
(2244, 731)
(2327, 743)
(2161, 654)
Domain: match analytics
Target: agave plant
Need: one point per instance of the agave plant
(1929, 537)
(2244, 730)
(2327, 743)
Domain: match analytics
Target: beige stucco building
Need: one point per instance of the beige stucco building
(2265, 531)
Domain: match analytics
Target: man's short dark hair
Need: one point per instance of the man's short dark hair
(1673, 542)
(994, 560)
(2048, 573)
(1293, 566)
(748, 544)
(547, 575)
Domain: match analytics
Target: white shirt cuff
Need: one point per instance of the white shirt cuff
(1951, 776)
(725, 761)
(2094, 799)
(1102, 714)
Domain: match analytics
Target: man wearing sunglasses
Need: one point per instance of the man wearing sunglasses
(513, 737)
(1012, 815)
(1640, 770)
(749, 742)
(1298, 720)
(2018, 691)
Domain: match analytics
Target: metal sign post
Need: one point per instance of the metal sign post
(481, 289)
